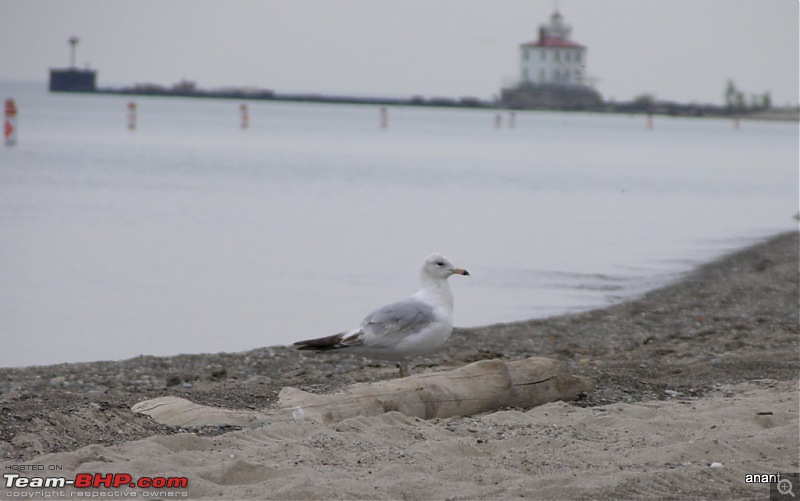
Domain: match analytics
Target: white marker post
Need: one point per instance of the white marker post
(10, 123)
(384, 118)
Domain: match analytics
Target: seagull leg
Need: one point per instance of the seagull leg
(403, 368)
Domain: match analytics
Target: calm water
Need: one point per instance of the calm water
(191, 235)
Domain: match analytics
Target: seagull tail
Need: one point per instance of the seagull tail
(322, 343)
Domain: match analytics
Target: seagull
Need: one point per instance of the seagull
(414, 326)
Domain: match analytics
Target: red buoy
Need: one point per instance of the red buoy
(245, 116)
(10, 123)
(132, 115)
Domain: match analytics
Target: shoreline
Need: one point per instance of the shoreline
(728, 330)
(673, 109)
(662, 281)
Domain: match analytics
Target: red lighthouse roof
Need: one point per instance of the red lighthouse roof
(556, 34)
(553, 42)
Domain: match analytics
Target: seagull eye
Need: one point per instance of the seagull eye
(439, 263)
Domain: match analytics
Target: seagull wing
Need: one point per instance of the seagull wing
(388, 325)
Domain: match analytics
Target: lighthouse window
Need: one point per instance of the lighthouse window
(578, 56)
(543, 53)
(567, 55)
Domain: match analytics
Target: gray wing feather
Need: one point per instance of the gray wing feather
(396, 320)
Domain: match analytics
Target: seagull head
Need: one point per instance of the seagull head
(439, 267)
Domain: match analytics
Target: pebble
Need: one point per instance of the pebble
(672, 393)
(715, 464)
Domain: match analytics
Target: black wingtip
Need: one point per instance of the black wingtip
(320, 344)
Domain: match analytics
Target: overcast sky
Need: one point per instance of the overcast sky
(682, 50)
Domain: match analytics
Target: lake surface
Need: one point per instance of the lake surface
(191, 235)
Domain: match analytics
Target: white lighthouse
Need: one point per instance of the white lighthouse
(553, 58)
(552, 72)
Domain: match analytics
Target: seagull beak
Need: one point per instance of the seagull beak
(460, 271)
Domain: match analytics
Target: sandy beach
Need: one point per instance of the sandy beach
(696, 387)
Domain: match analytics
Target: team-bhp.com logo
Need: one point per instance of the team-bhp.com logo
(94, 481)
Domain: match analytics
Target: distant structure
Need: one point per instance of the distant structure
(73, 79)
(552, 71)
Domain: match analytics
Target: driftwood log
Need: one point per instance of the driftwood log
(482, 386)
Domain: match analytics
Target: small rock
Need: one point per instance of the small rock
(297, 372)
(217, 372)
(715, 464)
(101, 406)
(672, 393)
